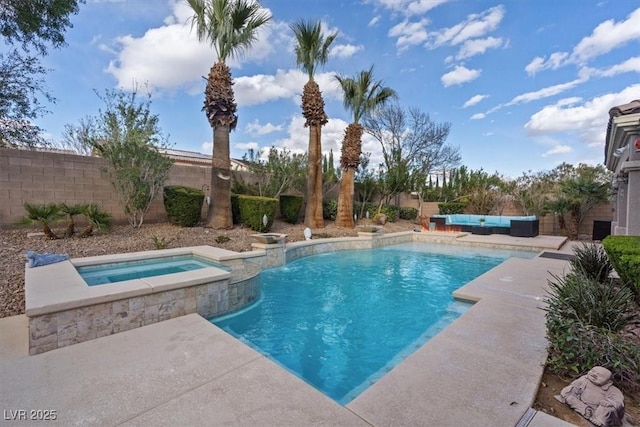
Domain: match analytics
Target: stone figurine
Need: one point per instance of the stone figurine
(595, 398)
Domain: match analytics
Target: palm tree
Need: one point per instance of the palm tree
(230, 27)
(312, 50)
(45, 215)
(98, 219)
(70, 211)
(362, 95)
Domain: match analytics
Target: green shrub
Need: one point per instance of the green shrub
(602, 305)
(408, 213)
(235, 209)
(575, 347)
(392, 212)
(591, 260)
(183, 205)
(451, 208)
(254, 208)
(160, 242)
(222, 239)
(330, 209)
(290, 208)
(624, 253)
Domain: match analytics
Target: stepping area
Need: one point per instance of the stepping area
(482, 370)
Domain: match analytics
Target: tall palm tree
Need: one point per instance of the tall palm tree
(230, 28)
(312, 50)
(362, 95)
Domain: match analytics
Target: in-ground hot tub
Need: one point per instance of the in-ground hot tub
(102, 274)
(63, 309)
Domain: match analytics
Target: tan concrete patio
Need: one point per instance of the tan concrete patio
(483, 370)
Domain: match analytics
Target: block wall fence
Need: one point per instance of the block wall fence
(52, 177)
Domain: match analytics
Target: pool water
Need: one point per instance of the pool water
(118, 272)
(340, 321)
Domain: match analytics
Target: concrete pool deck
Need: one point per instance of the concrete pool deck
(482, 370)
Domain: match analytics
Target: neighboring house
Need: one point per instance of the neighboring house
(184, 157)
(622, 156)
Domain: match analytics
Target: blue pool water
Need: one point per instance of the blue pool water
(340, 321)
(118, 272)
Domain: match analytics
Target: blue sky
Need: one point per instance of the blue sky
(525, 84)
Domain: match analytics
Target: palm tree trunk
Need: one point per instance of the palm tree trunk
(219, 214)
(313, 211)
(344, 218)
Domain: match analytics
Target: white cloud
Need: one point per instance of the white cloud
(560, 149)
(631, 65)
(607, 36)
(588, 118)
(374, 21)
(477, 47)
(170, 56)
(410, 7)
(409, 33)
(474, 100)
(246, 146)
(478, 116)
(536, 64)
(262, 88)
(545, 92)
(474, 26)
(255, 128)
(345, 50)
(459, 75)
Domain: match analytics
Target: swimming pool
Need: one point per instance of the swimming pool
(103, 274)
(340, 321)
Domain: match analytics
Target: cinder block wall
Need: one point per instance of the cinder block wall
(47, 177)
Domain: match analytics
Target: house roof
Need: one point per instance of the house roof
(193, 157)
(632, 107)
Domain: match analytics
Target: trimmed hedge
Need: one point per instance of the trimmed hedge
(183, 205)
(451, 208)
(290, 208)
(624, 254)
(408, 213)
(254, 208)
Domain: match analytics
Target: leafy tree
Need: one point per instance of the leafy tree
(413, 147)
(21, 82)
(361, 96)
(531, 192)
(312, 50)
(32, 24)
(128, 136)
(281, 172)
(330, 175)
(365, 185)
(577, 190)
(230, 28)
(77, 138)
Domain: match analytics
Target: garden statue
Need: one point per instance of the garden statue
(595, 398)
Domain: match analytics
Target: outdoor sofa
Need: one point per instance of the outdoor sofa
(517, 226)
